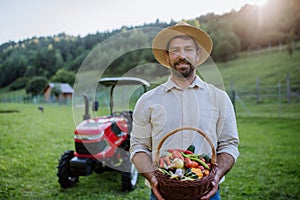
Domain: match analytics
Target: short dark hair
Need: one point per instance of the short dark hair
(184, 37)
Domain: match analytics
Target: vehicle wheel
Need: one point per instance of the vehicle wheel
(65, 178)
(129, 179)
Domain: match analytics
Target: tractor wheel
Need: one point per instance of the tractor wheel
(129, 179)
(65, 178)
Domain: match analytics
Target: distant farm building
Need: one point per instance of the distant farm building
(58, 92)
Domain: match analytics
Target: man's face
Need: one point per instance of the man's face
(183, 56)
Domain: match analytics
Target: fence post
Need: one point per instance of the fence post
(233, 95)
(279, 99)
(233, 98)
(288, 88)
(257, 91)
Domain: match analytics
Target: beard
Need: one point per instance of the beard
(183, 71)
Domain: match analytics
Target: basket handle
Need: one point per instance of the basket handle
(213, 157)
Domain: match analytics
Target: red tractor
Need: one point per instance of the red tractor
(102, 143)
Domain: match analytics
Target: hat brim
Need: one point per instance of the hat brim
(164, 36)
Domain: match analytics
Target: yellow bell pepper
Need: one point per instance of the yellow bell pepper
(197, 171)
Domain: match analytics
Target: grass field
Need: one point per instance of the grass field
(32, 142)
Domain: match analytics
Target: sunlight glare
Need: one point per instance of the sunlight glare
(261, 2)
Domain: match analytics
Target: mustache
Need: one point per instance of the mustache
(182, 61)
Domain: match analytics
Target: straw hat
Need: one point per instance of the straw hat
(162, 38)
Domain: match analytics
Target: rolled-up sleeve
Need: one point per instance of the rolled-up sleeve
(228, 139)
(140, 140)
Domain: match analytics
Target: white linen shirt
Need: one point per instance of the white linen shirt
(167, 107)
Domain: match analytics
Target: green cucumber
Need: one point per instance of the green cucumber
(191, 148)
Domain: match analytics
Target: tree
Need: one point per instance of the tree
(226, 42)
(290, 44)
(56, 91)
(36, 85)
(63, 76)
(226, 47)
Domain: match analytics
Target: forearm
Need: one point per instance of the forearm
(225, 162)
(144, 165)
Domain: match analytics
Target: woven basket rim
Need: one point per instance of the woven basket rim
(213, 157)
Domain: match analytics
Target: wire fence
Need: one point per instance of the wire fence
(40, 99)
(277, 100)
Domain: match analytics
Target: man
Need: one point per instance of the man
(184, 100)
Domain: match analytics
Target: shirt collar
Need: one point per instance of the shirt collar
(196, 83)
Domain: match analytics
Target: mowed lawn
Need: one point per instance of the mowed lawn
(31, 144)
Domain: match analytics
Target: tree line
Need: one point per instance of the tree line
(57, 58)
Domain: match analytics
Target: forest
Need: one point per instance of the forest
(58, 58)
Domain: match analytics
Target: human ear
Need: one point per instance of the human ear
(166, 54)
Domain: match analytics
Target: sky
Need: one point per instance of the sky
(23, 19)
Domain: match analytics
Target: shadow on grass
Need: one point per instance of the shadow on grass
(9, 111)
(106, 185)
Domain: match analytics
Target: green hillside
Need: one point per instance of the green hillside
(270, 68)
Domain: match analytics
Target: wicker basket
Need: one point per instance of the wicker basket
(181, 190)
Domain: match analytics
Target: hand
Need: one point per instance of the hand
(154, 187)
(213, 191)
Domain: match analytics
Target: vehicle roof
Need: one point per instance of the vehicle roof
(123, 81)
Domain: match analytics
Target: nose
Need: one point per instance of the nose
(182, 54)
